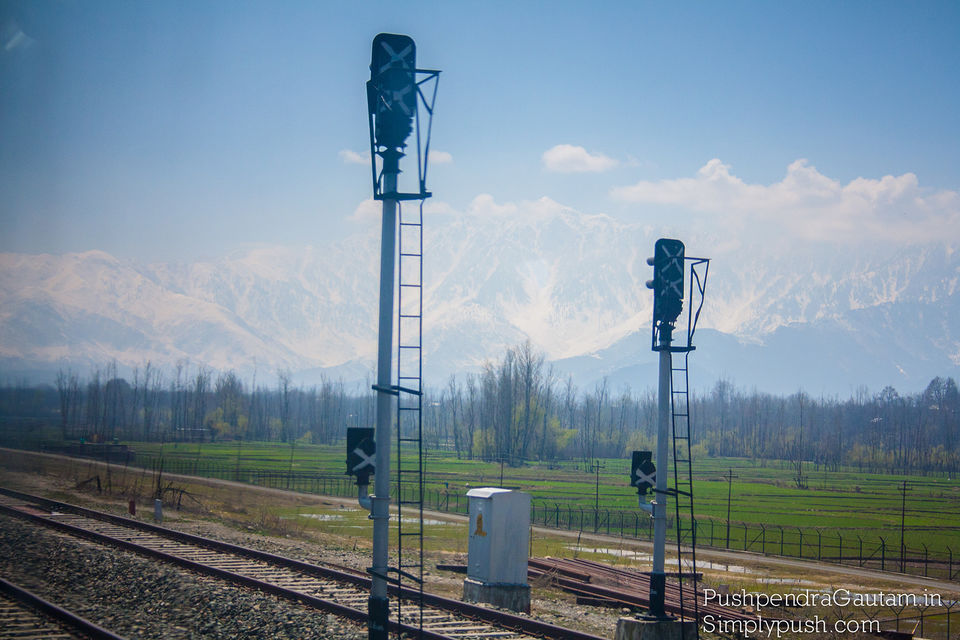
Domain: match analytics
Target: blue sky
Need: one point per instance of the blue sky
(183, 130)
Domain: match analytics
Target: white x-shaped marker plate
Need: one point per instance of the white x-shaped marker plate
(394, 57)
(367, 461)
(643, 478)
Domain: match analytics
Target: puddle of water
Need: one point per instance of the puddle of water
(334, 517)
(426, 521)
(323, 517)
(791, 581)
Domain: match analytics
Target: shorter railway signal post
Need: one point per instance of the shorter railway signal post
(673, 427)
(667, 285)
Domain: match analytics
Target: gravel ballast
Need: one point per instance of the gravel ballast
(138, 598)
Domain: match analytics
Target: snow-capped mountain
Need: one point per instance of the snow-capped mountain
(821, 318)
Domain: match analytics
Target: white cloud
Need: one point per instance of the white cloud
(355, 157)
(438, 207)
(808, 204)
(367, 212)
(440, 157)
(485, 205)
(567, 158)
(12, 38)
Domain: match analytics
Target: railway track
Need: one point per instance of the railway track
(337, 590)
(26, 616)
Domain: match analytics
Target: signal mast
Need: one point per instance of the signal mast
(673, 417)
(395, 99)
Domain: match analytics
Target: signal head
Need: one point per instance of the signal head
(392, 92)
(668, 272)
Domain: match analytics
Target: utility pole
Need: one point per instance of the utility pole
(729, 478)
(596, 466)
(903, 512)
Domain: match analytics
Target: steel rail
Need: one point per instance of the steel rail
(503, 620)
(67, 619)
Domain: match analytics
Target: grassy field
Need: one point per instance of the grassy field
(341, 524)
(842, 503)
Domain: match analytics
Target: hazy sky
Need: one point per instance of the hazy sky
(182, 130)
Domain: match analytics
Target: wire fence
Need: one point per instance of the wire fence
(882, 551)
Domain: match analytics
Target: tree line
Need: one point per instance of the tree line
(186, 404)
(517, 408)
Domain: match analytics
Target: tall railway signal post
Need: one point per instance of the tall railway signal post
(395, 100)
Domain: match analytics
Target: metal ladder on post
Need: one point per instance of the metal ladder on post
(682, 491)
(410, 411)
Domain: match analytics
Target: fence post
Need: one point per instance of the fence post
(840, 550)
(781, 539)
(883, 554)
(800, 546)
(860, 552)
(636, 525)
(925, 558)
(745, 536)
(819, 544)
(763, 539)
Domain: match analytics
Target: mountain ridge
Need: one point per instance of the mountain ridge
(571, 283)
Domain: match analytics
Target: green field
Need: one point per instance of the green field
(839, 510)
